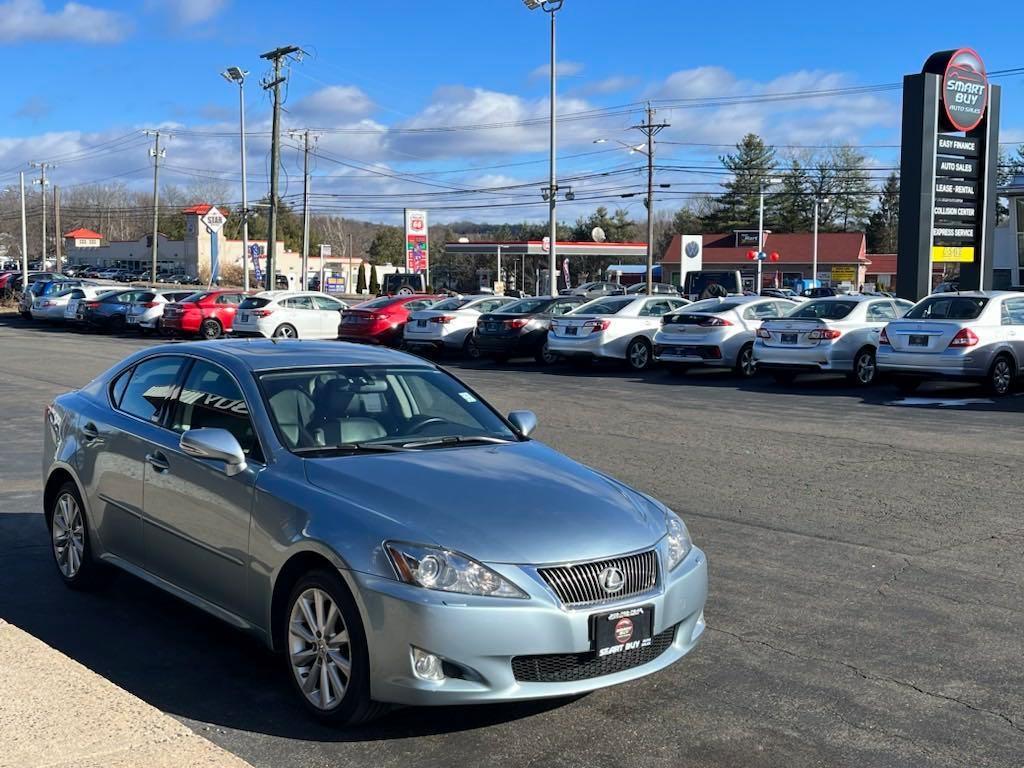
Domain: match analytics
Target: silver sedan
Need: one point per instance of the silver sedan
(969, 336)
(338, 502)
(835, 333)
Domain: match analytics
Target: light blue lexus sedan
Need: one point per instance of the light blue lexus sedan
(372, 518)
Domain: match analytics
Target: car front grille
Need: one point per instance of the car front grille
(569, 667)
(580, 584)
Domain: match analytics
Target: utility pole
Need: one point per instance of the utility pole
(42, 182)
(305, 135)
(650, 129)
(24, 238)
(156, 153)
(56, 227)
(277, 56)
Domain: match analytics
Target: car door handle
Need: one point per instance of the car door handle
(90, 433)
(158, 461)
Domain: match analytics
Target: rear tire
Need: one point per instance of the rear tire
(639, 354)
(1001, 376)
(745, 366)
(335, 640)
(285, 331)
(70, 544)
(545, 356)
(116, 324)
(211, 329)
(865, 368)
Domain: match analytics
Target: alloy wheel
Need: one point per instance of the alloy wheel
(865, 368)
(285, 332)
(1002, 375)
(639, 355)
(68, 534)
(319, 648)
(746, 366)
(547, 356)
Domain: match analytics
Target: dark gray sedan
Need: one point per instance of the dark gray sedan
(373, 519)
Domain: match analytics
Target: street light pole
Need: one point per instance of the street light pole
(551, 7)
(237, 75)
(814, 268)
(760, 230)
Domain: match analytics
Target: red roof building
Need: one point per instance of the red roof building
(83, 234)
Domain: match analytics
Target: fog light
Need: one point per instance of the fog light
(426, 666)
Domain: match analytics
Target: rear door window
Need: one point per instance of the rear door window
(1013, 312)
(948, 308)
(150, 387)
(881, 312)
(322, 302)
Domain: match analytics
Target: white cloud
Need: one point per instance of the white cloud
(333, 102)
(190, 12)
(613, 84)
(24, 20)
(563, 68)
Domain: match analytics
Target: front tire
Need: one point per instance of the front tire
(325, 651)
(1000, 377)
(470, 349)
(638, 354)
(70, 544)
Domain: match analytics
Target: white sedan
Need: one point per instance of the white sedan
(289, 315)
(448, 325)
(613, 327)
(716, 332)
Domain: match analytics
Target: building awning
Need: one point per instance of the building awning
(536, 248)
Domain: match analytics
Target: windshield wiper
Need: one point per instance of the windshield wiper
(351, 448)
(454, 440)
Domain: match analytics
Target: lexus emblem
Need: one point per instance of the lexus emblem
(611, 579)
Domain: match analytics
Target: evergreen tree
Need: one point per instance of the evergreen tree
(361, 278)
(793, 208)
(738, 207)
(883, 226)
(853, 192)
(388, 247)
(374, 282)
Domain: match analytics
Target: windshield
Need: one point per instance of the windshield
(823, 310)
(603, 306)
(451, 304)
(524, 307)
(947, 308)
(378, 405)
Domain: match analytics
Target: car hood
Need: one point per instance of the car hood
(516, 503)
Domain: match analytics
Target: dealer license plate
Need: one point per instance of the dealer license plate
(919, 341)
(789, 338)
(570, 331)
(421, 323)
(243, 316)
(132, 320)
(624, 630)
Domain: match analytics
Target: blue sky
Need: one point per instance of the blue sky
(96, 71)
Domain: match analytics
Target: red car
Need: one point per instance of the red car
(382, 320)
(208, 314)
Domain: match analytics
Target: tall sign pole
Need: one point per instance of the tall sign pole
(948, 167)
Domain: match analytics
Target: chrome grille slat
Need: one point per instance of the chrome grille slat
(579, 584)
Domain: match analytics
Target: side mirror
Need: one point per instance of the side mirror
(524, 422)
(217, 444)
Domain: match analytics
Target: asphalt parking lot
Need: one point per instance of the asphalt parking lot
(866, 564)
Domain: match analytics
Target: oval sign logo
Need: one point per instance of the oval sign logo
(964, 89)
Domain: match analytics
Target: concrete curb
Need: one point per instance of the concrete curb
(56, 713)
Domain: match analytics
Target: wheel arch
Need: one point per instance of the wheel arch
(294, 568)
(57, 477)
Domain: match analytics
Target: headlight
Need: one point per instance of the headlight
(441, 569)
(678, 540)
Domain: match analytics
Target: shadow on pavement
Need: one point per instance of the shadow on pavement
(180, 660)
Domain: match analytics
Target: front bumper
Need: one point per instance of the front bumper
(478, 637)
